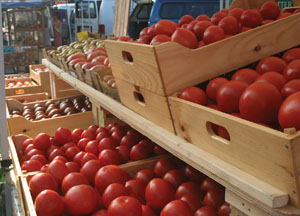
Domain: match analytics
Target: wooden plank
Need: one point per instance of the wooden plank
(15, 144)
(122, 8)
(42, 78)
(32, 97)
(23, 90)
(229, 176)
(29, 205)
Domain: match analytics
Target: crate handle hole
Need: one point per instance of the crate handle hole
(139, 98)
(127, 56)
(218, 132)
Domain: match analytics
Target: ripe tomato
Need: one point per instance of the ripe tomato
(81, 200)
(193, 94)
(71, 152)
(67, 145)
(222, 132)
(162, 166)
(174, 177)
(102, 212)
(206, 211)
(229, 94)
(124, 153)
(273, 78)
(158, 193)
(165, 27)
(63, 135)
(61, 158)
(90, 134)
(214, 198)
(251, 18)
(125, 206)
(147, 211)
(26, 142)
(186, 19)
(151, 31)
(92, 147)
(136, 189)
(116, 135)
(193, 174)
(89, 170)
(87, 157)
(33, 152)
(217, 17)
(291, 87)
(138, 152)
(58, 170)
(148, 145)
(49, 203)
(286, 14)
(82, 143)
(144, 39)
(144, 175)
(72, 167)
(178, 208)
(291, 55)
(185, 37)
(101, 129)
(224, 210)
(113, 191)
(260, 102)
(266, 22)
(190, 188)
(54, 153)
(200, 27)
(292, 70)
(109, 157)
(193, 201)
(209, 184)
(191, 25)
(73, 179)
(107, 143)
(77, 158)
(230, 25)
(271, 63)
(160, 38)
(39, 157)
(40, 182)
(159, 150)
(31, 165)
(93, 128)
(246, 75)
(270, 10)
(104, 134)
(41, 141)
(203, 17)
(213, 34)
(236, 12)
(110, 174)
(288, 115)
(213, 86)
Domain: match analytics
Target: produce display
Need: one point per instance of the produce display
(110, 81)
(13, 76)
(52, 109)
(268, 94)
(18, 84)
(41, 68)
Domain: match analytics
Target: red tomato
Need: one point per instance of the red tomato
(124, 38)
(273, 78)
(213, 34)
(229, 94)
(246, 75)
(288, 115)
(291, 55)
(160, 38)
(206, 211)
(224, 210)
(244, 28)
(286, 14)
(26, 142)
(292, 70)
(72, 167)
(29, 148)
(151, 31)
(87, 157)
(148, 145)
(102, 212)
(91, 135)
(200, 27)
(216, 18)
(291, 87)
(178, 208)
(61, 158)
(89, 170)
(40, 182)
(77, 158)
(136, 189)
(125, 206)
(144, 175)
(63, 135)
(144, 39)
(33, 152)
(222, 132)
(251, 18)
(260, 102)
(124, 153)
(117, 135)
(271, 63)
(266, 22)
(174, 177)
(193, 174)
(109, 157)
(107, 143)
(49, 203)
(31, 165)
(50, 149)
(236, 12)
(209, 184)
(135, 134)
(42, 141)
(71, 152)
(203, 17)
(213, 86)
(158, 193)
(110, 174)
(230, 25)
(73, 179)
(92, 147)
(193, 201)
(191, 25)
(270, 10)
(39, 157)
(165, 27)
(56, 152)
(58, 170)
(113, 191)
(185, 37)
(138, 152)
(193, 94)
(214, 198)
(147, 211)
(186, 19)
(67, 145)
(101, 129)
(128, 140)
(162, 166)
(190, 188)
(103, 134)
(81, 200)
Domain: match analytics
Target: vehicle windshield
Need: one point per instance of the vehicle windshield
(87, 9)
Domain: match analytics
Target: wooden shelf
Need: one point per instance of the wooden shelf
(262, 195)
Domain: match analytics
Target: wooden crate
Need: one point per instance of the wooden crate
(29, 97)
(42, 78)
(159, 71)
(22, 90)
(51, 57)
